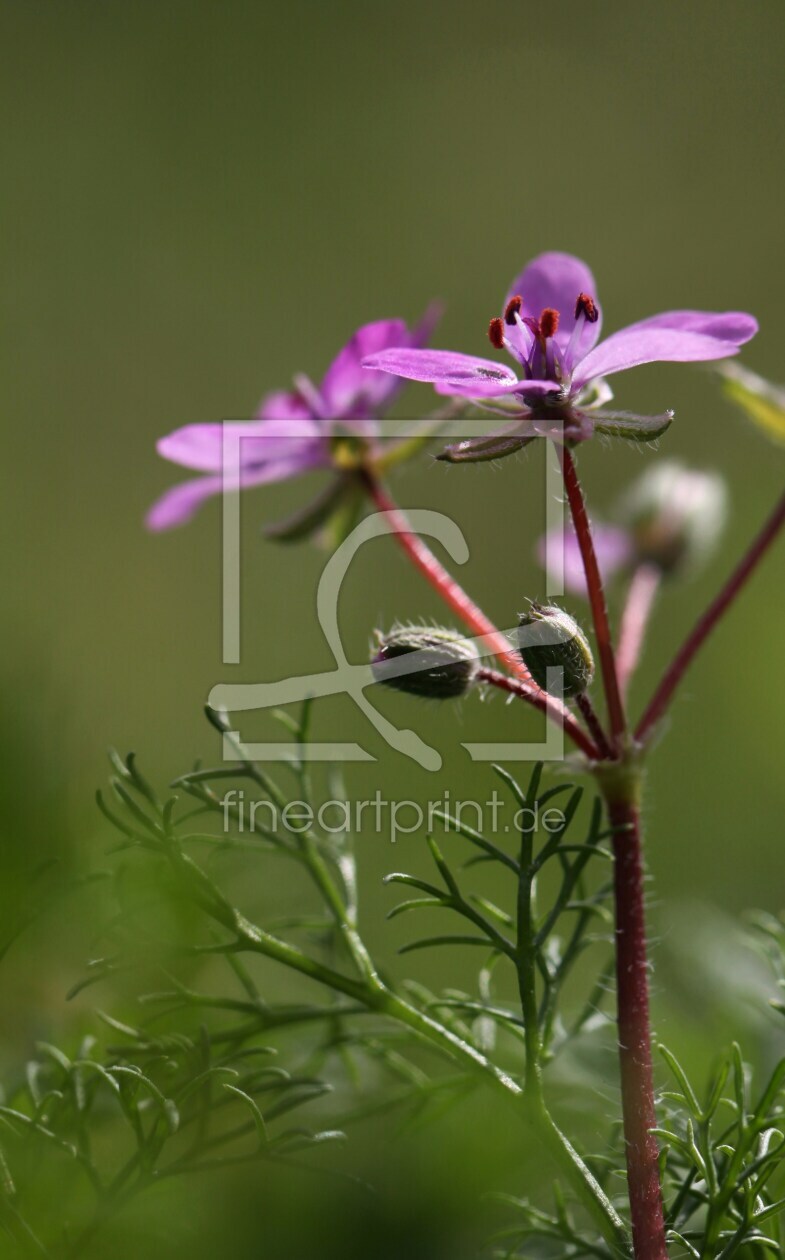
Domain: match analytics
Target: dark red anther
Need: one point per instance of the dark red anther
(512, 309)
(588, 307)
(496, 333)
(549, 322)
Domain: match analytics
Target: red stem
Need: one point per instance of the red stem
(456, 598)
(515, 687)
(595, 725)
(703, 628)
(596, 591)
(632, 996)
(634, 621)
(632, 978)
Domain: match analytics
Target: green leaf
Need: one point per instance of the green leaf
(258, 1118)
(491, 851)
(308, 519)
(674, 1236)
(418, 903)
(340, 524)
(428, 942)
(442, 866)
(410, 881)
(523, 798)
(761, 402)
(626, 424)
(481, 450)
(681, 1076)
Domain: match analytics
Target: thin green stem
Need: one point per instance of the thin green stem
(584, 1183)
(525, 963)
(378, 997)
(326, 885)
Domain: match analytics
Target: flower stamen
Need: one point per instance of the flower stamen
(496, 334)
(586, 312)
(512, 309)
(586, 306)
(549, 323)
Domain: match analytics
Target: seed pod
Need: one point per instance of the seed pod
(441, 664)
(676, 516)
(550, 639)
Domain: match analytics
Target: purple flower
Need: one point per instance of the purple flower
(294, 431)
(550, 325)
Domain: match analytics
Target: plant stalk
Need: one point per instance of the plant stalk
(595, 725)
(602, 629)
(632, 997)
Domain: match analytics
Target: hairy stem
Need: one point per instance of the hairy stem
(635, 620)
(703, 628)
(596, 591)
(472, 616)
(594, 724)
(632, 996)
(514, 687)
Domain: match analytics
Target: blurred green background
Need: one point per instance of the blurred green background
(200, 200)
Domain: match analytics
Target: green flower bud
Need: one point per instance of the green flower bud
(443, 664)
(549, 639)
(676, 515)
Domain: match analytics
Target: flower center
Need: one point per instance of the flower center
(532, 341)
(348, 451)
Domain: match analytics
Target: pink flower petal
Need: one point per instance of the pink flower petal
(201, 446)
(345, 381)
(195, 446)
(179, 505)
(650, 343)
(555, 280)
(283, 404)
(348, 387)
(735, 326)
(451, 372)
